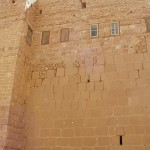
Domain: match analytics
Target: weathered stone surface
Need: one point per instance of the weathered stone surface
(74, 92)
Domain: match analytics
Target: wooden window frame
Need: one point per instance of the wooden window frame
(115, 28)
(97, 31)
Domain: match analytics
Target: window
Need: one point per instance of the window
(147, 20)
(64, 35)
(114, 28)
(94, 31)
(45, 37)
(29, 36)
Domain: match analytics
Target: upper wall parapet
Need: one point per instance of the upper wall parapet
(58, 12)
(9, 8)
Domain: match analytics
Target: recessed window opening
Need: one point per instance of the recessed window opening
(45, 37)
(41, 11)
(84, 5)
(94, 31)
(120, 140)
(114, 28)
(147, 20)
(13, 1)
(64, 35)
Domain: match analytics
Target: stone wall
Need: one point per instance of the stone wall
(86, 93)
(14, 56)
(10, 32)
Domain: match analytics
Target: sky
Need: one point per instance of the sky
(29, 2)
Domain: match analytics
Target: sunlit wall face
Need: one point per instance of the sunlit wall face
(29, 3)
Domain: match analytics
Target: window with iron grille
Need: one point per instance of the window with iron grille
(29, 36)
(94, 31)
(114, 28)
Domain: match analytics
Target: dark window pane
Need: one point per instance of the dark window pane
(94, 33)
(94, 27)
(64, 35)
(94, 30)
(45, 37)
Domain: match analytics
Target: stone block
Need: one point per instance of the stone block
(63, 81)
(58, 88)
(123, 75)
(85, 95)
(85, 78)
(146, 65)
(58, 96)
(88, 132)
(82, 70)
(54, 132)
(139, 65)
(95, 77)
(60, 72)
(95, 95)
(98, 69)
(78, 132)
(82, 86)
(44, 133)
(74, 79)
(50, 73)
(116, 84)
(46, 82)
(54, 81)
(35, 75)
(90, 141)
(109, 68)
(104, 141)
(89, 70)
(76, 142)
(143, 82)
(38, 82)
(120, 131)
(109, 76)
(132, 140)
(101, 131)
(99, 85)
(90, 86)
(68, 96)
(71, 71)
(67, 133)
(62, 141)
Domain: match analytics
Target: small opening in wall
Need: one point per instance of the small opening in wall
(13, 1)
(41, 11)
(84, 5)
(121, 140)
